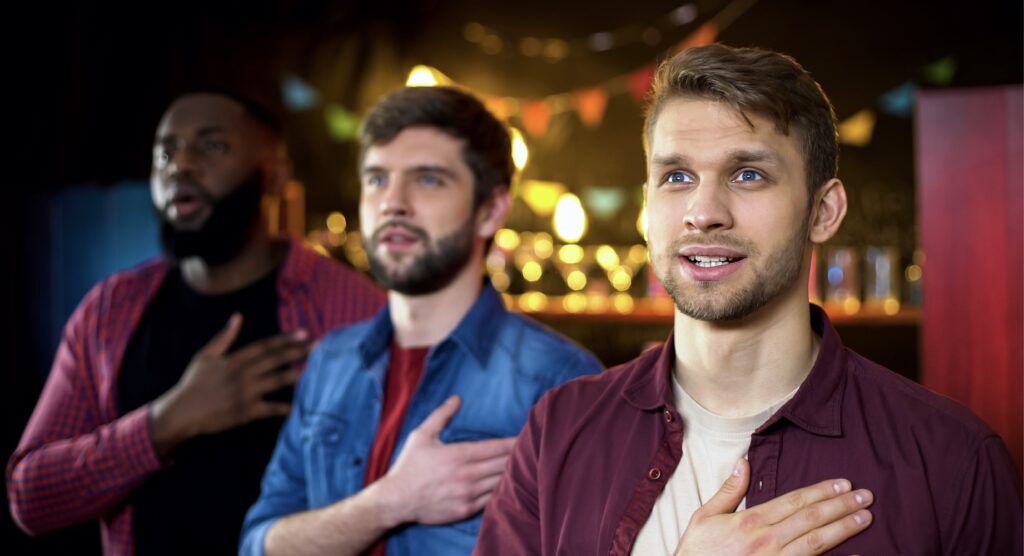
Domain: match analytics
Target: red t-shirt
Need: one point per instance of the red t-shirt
(400, 382)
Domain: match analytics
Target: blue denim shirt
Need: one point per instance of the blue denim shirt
(499, 363)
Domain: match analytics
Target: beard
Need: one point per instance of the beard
(713, 301)
(226, 230)
(431, 270)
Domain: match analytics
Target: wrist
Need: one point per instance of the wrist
(387, 503)
(166, 427)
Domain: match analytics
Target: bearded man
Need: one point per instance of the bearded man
(402, 424)
(157, 417)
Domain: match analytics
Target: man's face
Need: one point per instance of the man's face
(727, 210)
(205, 148)
(416, 211)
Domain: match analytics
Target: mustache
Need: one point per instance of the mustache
(717, 240)
(415, 230)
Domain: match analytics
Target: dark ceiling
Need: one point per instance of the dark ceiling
(91, 79)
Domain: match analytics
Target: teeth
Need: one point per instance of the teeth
(709, 262)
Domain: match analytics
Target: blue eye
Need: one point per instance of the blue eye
(677, 177)
(749, 175)
(429, 179)
(375, 180)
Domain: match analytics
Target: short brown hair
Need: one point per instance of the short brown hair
(763, 82)
(488, 148)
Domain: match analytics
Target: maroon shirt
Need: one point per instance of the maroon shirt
(597, 451)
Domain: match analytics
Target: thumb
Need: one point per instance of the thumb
(220, 343)
(728, 498)
(438, 419)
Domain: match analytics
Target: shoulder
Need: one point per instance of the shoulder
(914, 408)
(124, 287)
(604, 390)
(525, 337)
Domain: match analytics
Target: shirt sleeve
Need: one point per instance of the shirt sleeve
(511, 524)
(987, 515)
(71, 464)
(283, 490)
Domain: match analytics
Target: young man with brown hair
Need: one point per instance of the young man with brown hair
(402, 424)
(741, 182)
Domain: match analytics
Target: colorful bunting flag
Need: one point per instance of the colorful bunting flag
(342, 125)
(536, 117)
(591, 104)
(298, 95)
(640, 82)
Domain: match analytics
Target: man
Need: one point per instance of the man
(741, 159)
(157, 418)
(401, 424)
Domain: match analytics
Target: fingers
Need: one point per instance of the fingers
(270, 382)
(828, 537)
(438, 419)
(486, 484)
(808, 526)
(265, 410)
(220, 343)
(478, 450)
(728, 498)
(790, 503)
(273, 360)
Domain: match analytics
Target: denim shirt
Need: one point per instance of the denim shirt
(499, 363)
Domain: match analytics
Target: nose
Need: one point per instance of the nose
(395, 200)
(707, 209)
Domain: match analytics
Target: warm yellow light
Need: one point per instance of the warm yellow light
(533, 301)
(637, 255)
(541, 196)
(891, 306)
(570, 254)
(574, 302)
(621, 279)
(914, 273)
(500, 280)
(623, 303)
(597, 303)
(532, 271)
(506, 239)
(641, 222)
(520, 153)
(576, 280)
(336, 222)
(607, 257)
(570, 218)
(336, 239)
(320, 249)
(426, 76)
(851, 305)
(495, 262)
(543, 245)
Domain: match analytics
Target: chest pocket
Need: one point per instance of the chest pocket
(331, 471)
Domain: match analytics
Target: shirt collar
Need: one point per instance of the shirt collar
(815, 407)
(475, 333)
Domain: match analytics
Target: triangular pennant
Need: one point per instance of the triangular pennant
(536, 117)
(940, 72)
(298, 95)
(899, 101)
(590, 105)
(640, 82)
(341, 124)
(858, 128)
(705, 34)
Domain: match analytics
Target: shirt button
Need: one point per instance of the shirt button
(654, 474)
(668, 416)
(760, 485)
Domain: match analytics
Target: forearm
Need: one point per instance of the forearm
(68, 481)
(347, 527)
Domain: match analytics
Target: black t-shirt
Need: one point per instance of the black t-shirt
(197, 504)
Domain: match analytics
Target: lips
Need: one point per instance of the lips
(709, 264)
(186, 202)
(397, 236)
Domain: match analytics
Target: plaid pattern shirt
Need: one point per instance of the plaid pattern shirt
(77, 459)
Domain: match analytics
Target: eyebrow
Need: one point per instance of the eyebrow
(421, 169)
(203, 132)
(737, 156)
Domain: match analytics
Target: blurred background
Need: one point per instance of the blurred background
(924, 277)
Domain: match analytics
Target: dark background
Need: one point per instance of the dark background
(89, 81)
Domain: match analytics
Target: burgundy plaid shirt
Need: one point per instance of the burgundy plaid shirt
(77, 459)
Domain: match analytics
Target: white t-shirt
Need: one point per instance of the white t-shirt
(712, 445)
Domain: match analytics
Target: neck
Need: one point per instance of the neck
(741, 368)
(426, 320)
(258, 257)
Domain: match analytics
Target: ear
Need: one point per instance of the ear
(491, 215)
(828, 211)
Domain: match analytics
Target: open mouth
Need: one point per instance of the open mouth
(711, 262)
